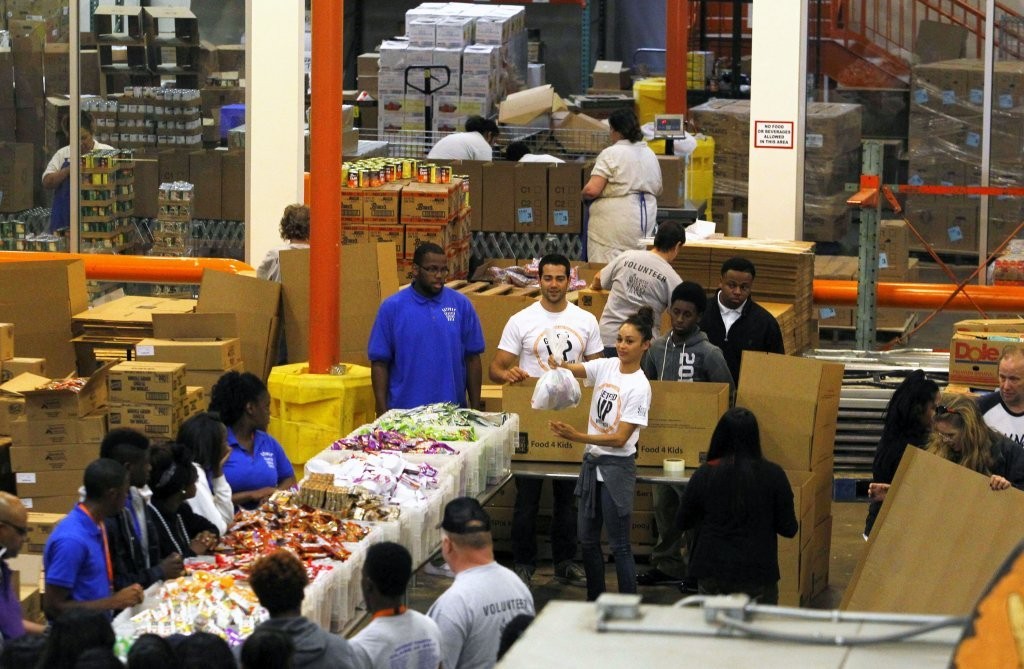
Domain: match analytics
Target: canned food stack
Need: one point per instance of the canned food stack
(107, 201)
(172, 235)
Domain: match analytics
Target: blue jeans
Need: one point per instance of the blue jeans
(617, 527)
(524, 521)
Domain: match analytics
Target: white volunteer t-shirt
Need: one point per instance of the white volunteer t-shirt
(617, 398)
(635, 279)
(462, 146)
(534, 333)
(408, 640)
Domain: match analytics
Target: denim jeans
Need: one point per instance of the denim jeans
(524, 521)
(668, 554)
(617, 527)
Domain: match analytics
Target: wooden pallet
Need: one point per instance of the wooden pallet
(485, 288)
(846, 332)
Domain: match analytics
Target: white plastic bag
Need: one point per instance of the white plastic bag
(556, 389)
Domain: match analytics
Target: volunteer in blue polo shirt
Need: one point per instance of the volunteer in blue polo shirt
(426, 342)
(257, 464)
(77, 563)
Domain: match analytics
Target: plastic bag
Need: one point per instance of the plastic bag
(556, 389)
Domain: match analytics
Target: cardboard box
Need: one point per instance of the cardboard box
(206, 328)
(6, 341)
(680, 422)
(11, 409)
(40, 525)
(381, 205)
(232, 186)
(494, 312)
(205, 378)
(86, 431)
(173, 165)
(530, 107)
(530, 184)
(52, 457)
(673, 172)
(195, 354)
(974, 357)
(205, 172)
(1015, 325)
(44, 404)
(429, 203)
(146, 382)
(536, 441)
(368, 275)
(610, 75)
(253, 302)
(426, 233)
(17, 171)
(155, 420)
(592, 301)
(565, 208)
(48, 483)
(797, 419)
(497, 213)
(50, 504)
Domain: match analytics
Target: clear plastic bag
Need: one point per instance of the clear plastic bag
(556, 389)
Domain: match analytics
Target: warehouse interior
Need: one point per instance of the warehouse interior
(865, 155)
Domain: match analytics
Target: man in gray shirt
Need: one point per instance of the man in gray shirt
(484, 597)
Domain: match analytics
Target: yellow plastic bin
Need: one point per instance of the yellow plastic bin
(700, 172)
(650, 98)
(310, 411)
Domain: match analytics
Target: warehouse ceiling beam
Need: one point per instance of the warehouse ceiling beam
(325, 184)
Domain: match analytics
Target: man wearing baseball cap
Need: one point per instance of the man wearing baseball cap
(484, 596)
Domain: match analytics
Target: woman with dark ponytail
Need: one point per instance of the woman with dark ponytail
(622, 190)
(738, 503)
(607, 483)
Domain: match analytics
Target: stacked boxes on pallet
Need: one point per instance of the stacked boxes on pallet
(484, 49)
(151, 397)
(172, 234)
(832, 154)
(945, 149)
(107, 201)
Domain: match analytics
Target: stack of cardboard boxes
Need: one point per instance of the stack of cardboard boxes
(151, 397)
(944, 145)
(204, 343)
(975, 348)
(11, 365)
(798, 427)
(832, 151)
(55, 437)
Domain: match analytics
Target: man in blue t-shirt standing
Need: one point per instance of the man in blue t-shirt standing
(77, 561)
(426, 342)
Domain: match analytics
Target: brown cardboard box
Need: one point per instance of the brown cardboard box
(44, 404)
(610, 75)
(680, 422)
(672, 186)
(50, 504)
(909, 525)
(16, 176)
(382, 204)
(11, 409)
(55, 68)
(530, 184)
(206, 378)
(6, 341)
(565, 208)
(52, 457)
(215, 354)
(974, 357)
(536, 441)
(255, 303)
(173, 165)
(200, 329)
(894, 242)
(48, 483)
(87, 430)
(426, 233)
(592, 301)
(429, 203)
(494, 312)
(40, 525)
(797, 419)
(804, 485)
(990, 325)
(473, 170)
(146, 382)
(351, 205)
(147, 183)
(498, 211)
(232, 179)
(157, 420)
(205, 172)
(368, 276)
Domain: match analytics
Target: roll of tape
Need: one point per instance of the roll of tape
(674, 465)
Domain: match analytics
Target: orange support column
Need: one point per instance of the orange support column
(325, 183)
(677, 37)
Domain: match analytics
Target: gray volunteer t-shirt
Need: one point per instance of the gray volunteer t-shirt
(635, 279)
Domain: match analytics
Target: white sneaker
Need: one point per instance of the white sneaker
(442, 570)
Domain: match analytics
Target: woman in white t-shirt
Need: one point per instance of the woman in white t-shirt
(206, 438)
(607, 483)
(622, 190)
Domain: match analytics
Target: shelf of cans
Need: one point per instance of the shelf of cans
(172, 232)
(107, 201)
(214, 595)
(147, 116)
(416, 460)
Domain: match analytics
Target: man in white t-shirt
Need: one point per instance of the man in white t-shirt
(474, 144)
(636, 279)
(397, 636)
(1003, 409)
(551, 326)
(484, 597)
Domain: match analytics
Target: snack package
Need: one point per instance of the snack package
(556, 389)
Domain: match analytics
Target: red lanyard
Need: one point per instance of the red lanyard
(106, 545)
(384, 613)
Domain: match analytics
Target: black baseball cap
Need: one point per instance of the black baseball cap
(465, 515)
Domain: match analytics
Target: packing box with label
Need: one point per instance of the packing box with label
(436, 203)
(147, 382)
(52, 457)
(797, 419)
(497, 209)
(565, 209)
(974, 357)
(610, 75)
(11, 408)
(53, 399)
(672, 187)
(12, 367)
(86, 431)
(990, 325)
(48, 483)
(253, 302)
(158, 420)
(592, 301)
(50, 504)
(530, 186)
(40, 525)
(6, 341)
(200, 341)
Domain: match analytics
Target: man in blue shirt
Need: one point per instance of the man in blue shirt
(426, 342)
(77, 560)
(13, 531)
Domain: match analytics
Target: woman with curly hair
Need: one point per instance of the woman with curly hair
(257, 464)
(172, 480)
(295, 232)
(960, 435)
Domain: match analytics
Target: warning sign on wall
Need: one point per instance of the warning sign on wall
(773, 134)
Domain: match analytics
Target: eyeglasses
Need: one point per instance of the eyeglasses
(942, 409)
(436, 271)
(23, 531)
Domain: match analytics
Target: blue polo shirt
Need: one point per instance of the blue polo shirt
(425, 341)
(266, 467)
(74, 558)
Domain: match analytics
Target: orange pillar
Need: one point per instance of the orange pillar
(677, 36)
(325, 183)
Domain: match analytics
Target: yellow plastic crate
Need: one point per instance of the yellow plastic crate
(302, 441)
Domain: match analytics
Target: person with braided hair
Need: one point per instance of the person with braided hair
(172, 480)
